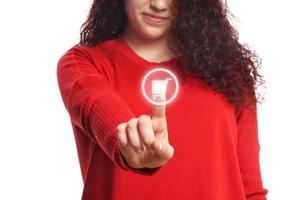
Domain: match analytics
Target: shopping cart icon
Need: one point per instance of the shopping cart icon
(156, 87)
(159, 89)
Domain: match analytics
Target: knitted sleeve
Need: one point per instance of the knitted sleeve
(248, 153)
(93, 104)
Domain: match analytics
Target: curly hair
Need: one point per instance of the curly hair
(202, 34)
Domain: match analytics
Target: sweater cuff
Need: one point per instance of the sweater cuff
(121, 162)
(258, 194)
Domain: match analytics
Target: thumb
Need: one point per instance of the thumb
(164, 151)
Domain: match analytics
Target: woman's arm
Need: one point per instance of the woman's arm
(92, 103)
(248, 153)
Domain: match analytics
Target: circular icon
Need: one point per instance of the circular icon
(160, 86)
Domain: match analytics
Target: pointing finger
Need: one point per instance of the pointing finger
(160, 109)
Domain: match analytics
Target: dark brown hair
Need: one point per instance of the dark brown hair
(202, 33)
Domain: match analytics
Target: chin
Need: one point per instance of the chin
(153, 34)
(152, 37)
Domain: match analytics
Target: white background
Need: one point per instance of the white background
(37, 148)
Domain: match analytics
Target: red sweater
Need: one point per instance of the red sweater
(216, 146)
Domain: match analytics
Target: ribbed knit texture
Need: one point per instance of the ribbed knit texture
(216, 146)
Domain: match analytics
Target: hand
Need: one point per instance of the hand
(143, 141)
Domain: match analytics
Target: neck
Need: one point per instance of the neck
(154, 50)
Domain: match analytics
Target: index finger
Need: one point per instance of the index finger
(160, 109)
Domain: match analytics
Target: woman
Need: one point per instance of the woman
(206, 146)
